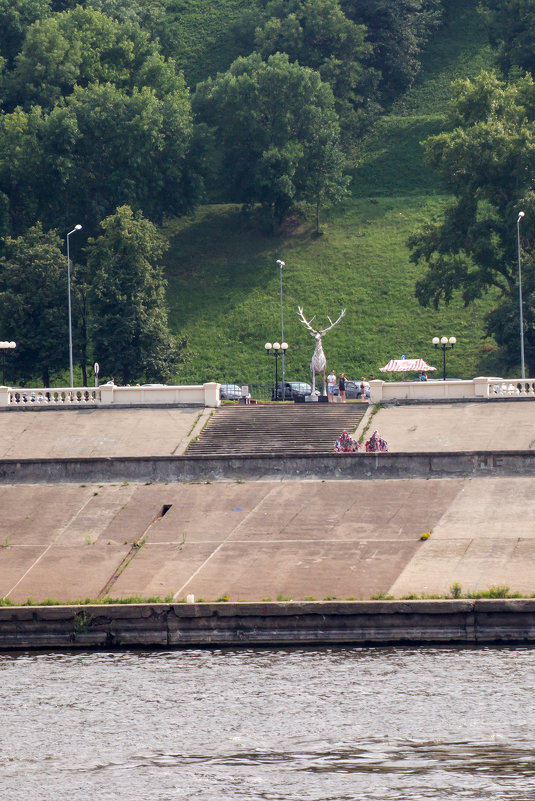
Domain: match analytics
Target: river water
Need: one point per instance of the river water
(324, 724)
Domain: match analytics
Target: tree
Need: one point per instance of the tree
(15, 17)
(325, 181)
(398, 31)
(102, 148)
(486, 159)
(128, 313)
(317, 34)
(511, 26)
(33, 302)
(83, 46)
(267, 117)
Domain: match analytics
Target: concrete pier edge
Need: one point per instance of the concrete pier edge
(329, 465)
(270, 624)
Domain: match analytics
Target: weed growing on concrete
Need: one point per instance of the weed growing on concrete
(240, 480)
(88, 540)
(309, 598)
(5, 543)
(148, 482)
(7, 602)
(425, 535)
(223, 599)
(411, 597)
(373, 412)
(351, 598)
(266, 600)
(456, 590)
(381, 596)
(95, 493)
(190, 432)
(82, 622)
(498, 591)
(281, 597)
(83, 485)
(330, 598)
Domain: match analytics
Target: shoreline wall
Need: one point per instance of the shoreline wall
(266, 467)
(464, 622)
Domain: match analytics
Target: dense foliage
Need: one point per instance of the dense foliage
(127, 300)
(487, 160)
(96, 116)
(276, 127)
(512, 31)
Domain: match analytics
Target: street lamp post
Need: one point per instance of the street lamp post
(3, 347)
(522, 363)
(76, 228)
(444, 344)
(277, 350)
(281, 265)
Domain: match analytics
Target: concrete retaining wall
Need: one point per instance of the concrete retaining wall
(318, 466)
(273, 624)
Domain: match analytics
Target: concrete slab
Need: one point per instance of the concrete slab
(496, 507)
(98, 432)
(160, 569)
(260, 539)
(15, 562)
(508, 425)
(69, 573)
(296, 571)
(33, 514)
(208, 512)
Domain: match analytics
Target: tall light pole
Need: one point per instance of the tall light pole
(76, 228)
(522, 363)
(281, 265)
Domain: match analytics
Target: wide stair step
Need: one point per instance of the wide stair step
(277, 429)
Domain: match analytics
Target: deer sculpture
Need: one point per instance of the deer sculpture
(319, 362)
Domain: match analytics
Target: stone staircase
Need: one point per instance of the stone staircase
(277, 428)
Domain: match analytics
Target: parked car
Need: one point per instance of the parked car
(353, 390)
(230, 392)
(292, 390)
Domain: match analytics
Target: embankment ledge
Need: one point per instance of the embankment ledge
(257, 467)
(465, 622)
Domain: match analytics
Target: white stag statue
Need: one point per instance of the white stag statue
(319, 362)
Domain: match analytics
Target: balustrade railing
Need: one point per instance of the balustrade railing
(109, 395)
(55, 397)
(525, 387)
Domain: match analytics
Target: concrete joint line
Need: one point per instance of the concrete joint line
(48, 547)
(181, 589)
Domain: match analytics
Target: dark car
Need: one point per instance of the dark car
(293, 390)
(230, 392)
(353, 390)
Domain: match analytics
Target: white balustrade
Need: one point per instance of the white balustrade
(481, 387)
(111, 395)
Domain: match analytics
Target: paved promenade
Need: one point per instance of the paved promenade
(270, 539)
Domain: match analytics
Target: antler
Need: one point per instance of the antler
(305, 322)
(331, 323)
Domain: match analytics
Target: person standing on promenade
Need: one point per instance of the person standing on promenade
(342, 387)
(331, 384)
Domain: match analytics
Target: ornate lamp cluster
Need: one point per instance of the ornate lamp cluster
(444, 344)
(277, 349)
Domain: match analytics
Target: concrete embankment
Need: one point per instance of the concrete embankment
(269, 624)
(305, 466)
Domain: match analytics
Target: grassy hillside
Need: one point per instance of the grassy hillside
(224, 281)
